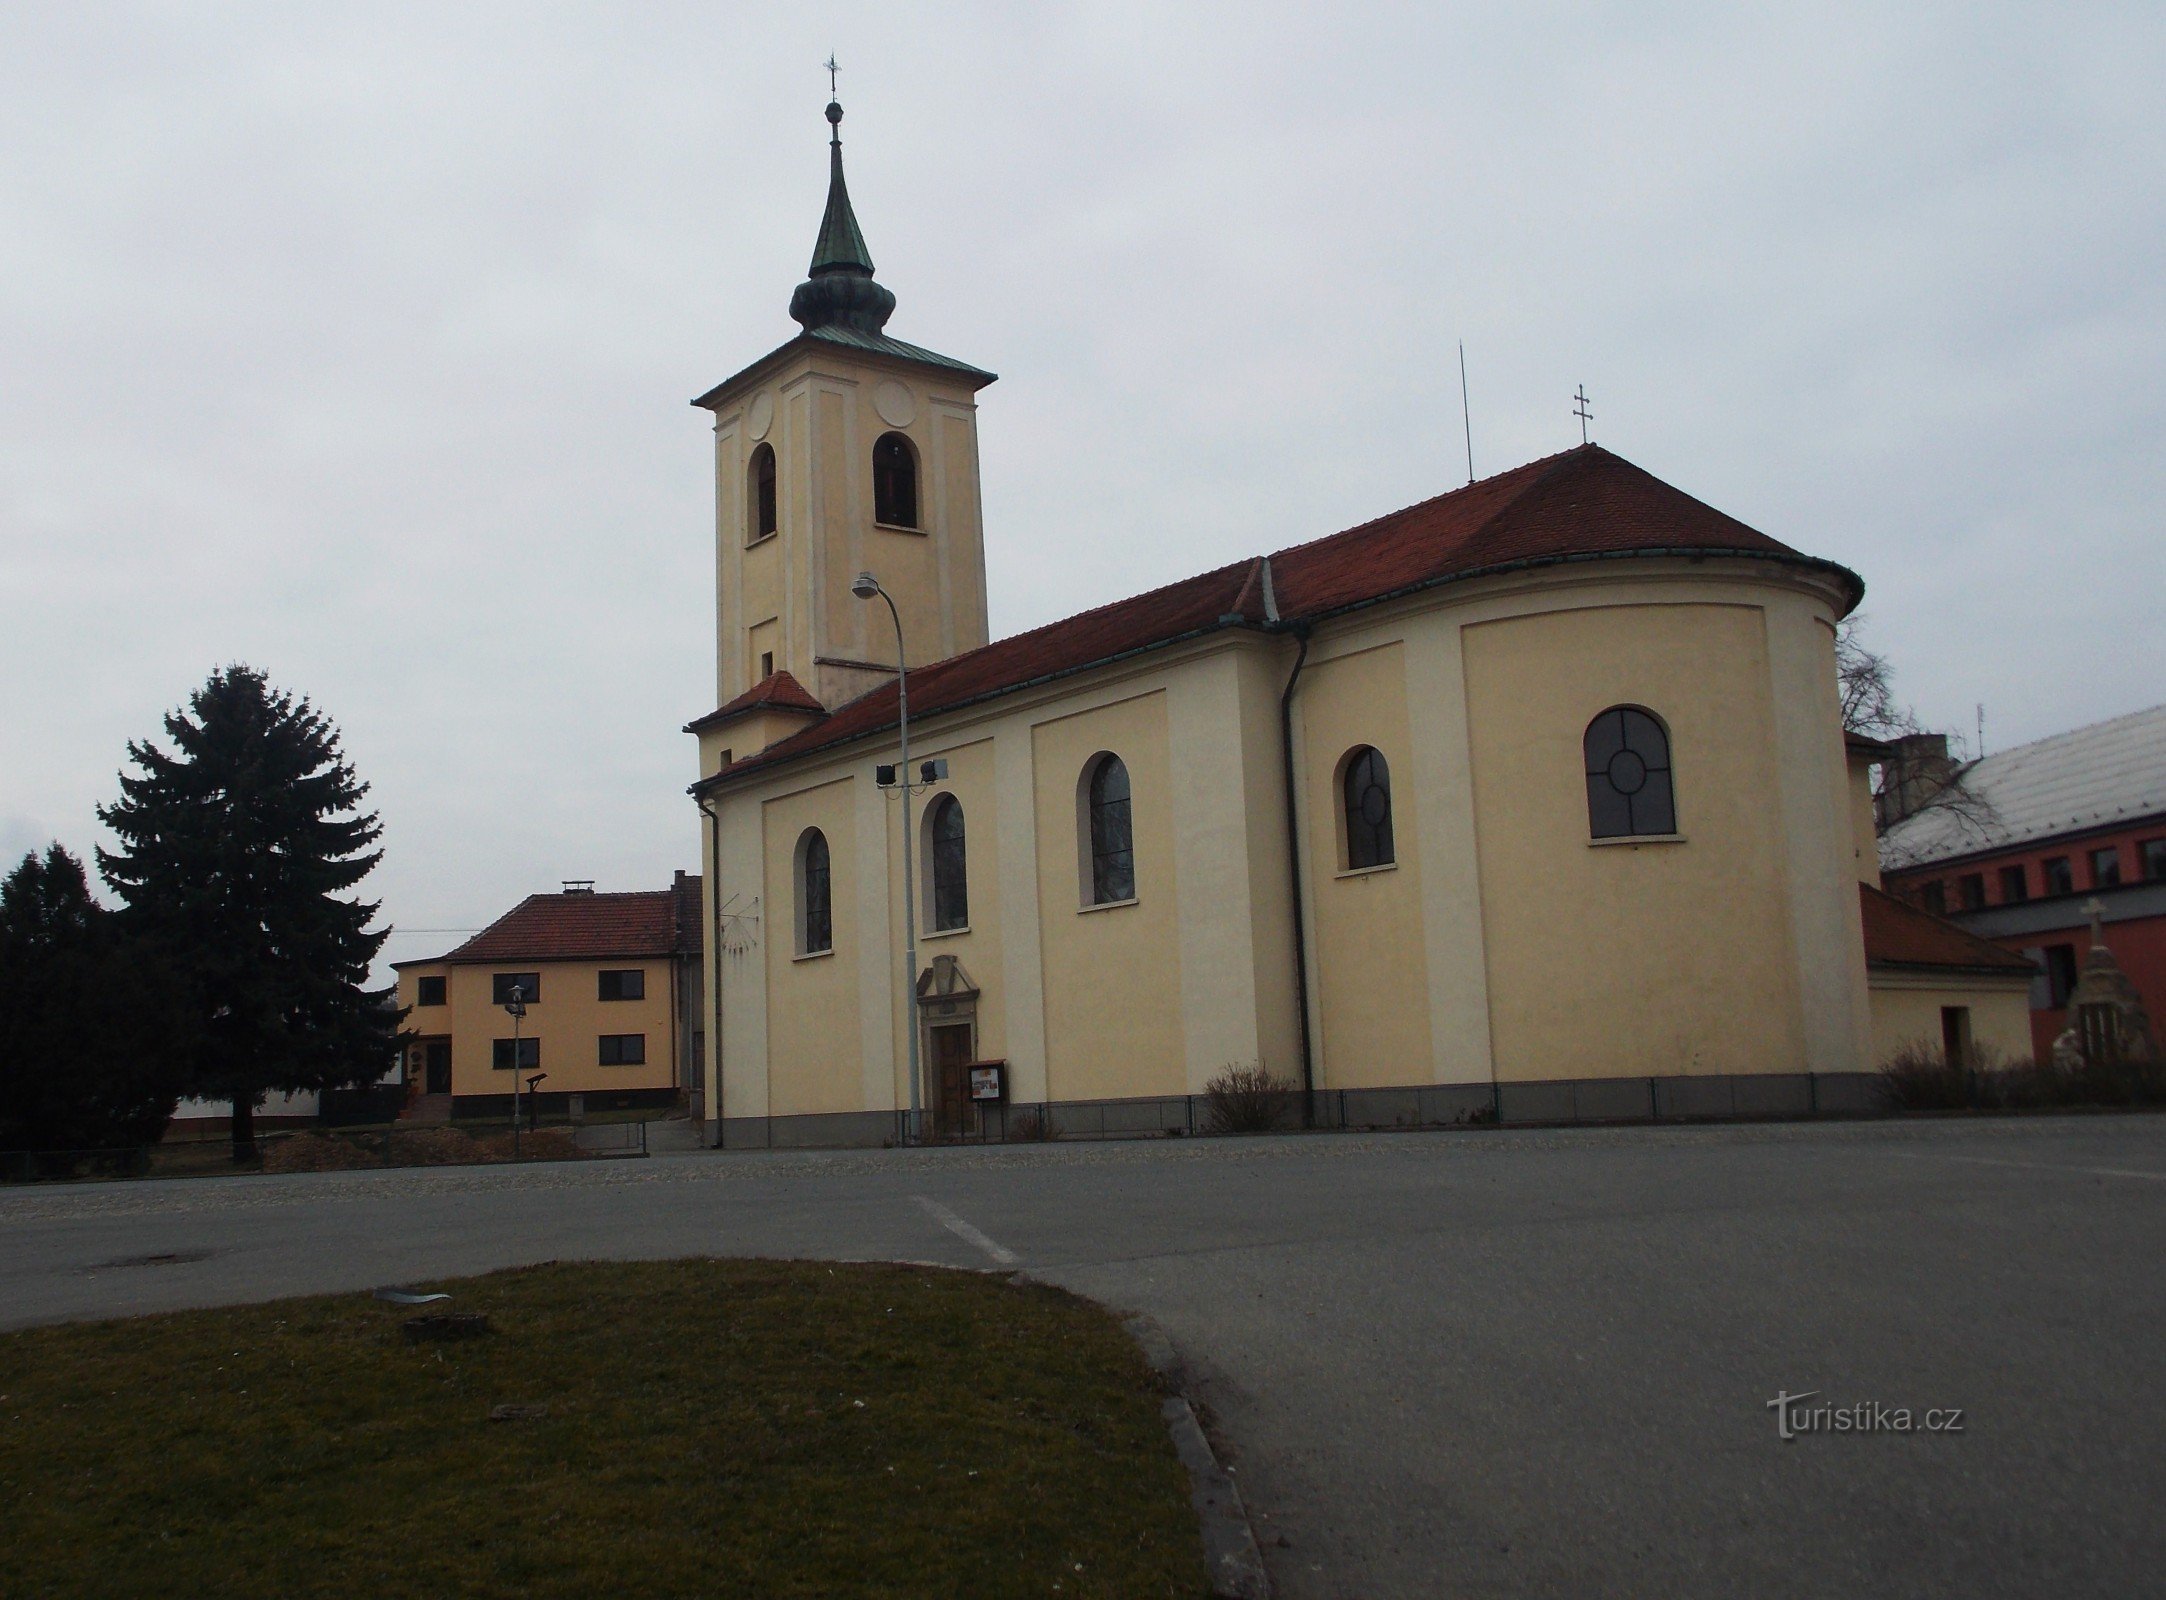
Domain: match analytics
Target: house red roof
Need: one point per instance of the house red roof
(1899, 934)
(588, 927)
(776, 691)
(1583, 505)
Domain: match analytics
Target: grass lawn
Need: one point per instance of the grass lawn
(714, 1428)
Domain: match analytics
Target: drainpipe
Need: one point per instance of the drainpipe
(1300, 630)
(713, 936)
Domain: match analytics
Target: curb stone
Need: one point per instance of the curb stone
(1229, 1544)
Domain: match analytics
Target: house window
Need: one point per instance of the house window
(760, 494)
(1934, 897)
(1628, 775)
(2060, 974)
(2153, 852)
(949, 866)
(529, 1054)
(2106, 867)
(1970, 891)
(1110, 836)
(429, 992)
(629, 984)
(2015, 885)
(1365, 796)
(894, 482)
(504, 985)
(815, 902)
(623, 1049)
(767, 665)
(2059, 879)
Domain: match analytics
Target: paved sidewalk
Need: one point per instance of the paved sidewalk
(1484, 1363)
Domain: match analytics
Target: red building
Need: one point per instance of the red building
(2014, 846)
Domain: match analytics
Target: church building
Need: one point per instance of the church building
(1540, 782)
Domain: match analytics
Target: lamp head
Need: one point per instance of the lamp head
(865, 586)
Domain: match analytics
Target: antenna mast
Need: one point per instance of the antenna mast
(1466, 414)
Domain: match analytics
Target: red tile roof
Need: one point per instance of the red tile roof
(1583, 505)
(588, 927)
(777, 691)
(1899, 934)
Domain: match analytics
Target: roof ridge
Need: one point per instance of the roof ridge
(1526, 467)
(2066, 733)
(1073, 616)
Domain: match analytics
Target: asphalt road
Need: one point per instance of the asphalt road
(1477, 1363)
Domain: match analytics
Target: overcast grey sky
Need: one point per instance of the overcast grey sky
(354, 342)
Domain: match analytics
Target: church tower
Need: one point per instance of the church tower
(844, 450)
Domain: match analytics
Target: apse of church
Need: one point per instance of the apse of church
(1538, 781)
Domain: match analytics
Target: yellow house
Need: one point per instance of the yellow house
(611, 986)
(1539, 783)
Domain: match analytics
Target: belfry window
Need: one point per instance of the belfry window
(894, 482)
(1111, 835)
(815, 897)
(949, 867)
(1365, 791)
(760, 494)
(1628, 775)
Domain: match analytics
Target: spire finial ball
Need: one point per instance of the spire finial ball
(834, 113)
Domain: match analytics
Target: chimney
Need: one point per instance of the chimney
(578, 885)
(1919, 770)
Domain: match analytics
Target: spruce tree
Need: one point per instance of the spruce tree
(91, 1036)
(234, 851)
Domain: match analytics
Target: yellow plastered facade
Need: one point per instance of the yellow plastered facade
(1588, 943)
(1501, 944)
(1907, 1011)
(568, 1020)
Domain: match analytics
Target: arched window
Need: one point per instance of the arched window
(1628, 775)
(949, 870)
(1365, 791)
(815, 896)
(1111, 835)
(760, 494)
(894, 482)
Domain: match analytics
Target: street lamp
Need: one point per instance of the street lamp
(516, 1005)
(865, 587)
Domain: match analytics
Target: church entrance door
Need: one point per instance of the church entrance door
(952, 1054)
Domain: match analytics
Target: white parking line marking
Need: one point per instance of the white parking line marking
(2039, 1166)
(1002, 1256)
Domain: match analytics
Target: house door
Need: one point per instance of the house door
(951, 1080)
(436, 1067)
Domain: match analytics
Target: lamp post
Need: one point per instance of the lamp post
(865, 587)
(516, 1005)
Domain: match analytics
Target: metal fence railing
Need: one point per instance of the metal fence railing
(1550, 1102)
(336, 1148)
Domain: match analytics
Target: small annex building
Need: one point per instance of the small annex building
(612, 988)
(1539, 782)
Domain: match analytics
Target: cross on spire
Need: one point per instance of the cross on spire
(1580, 411)
(832, 69)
